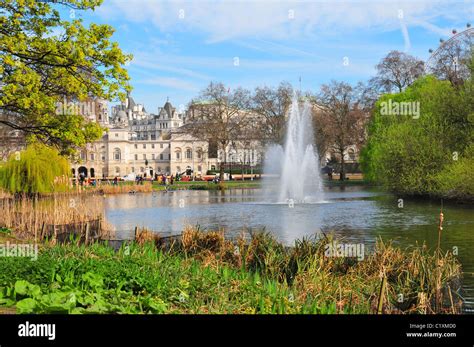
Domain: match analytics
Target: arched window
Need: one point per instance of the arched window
(178, 153)
(189, 153)
(117, 154)
(199, 153)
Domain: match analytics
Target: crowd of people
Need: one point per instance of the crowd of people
(162, 179)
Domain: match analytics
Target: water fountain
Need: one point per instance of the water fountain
(296, 165)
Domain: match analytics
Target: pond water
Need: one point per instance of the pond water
(359, 214)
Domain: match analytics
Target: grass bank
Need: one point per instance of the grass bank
(199, 185)
(353, 182)
(205, 273)
(202, 185)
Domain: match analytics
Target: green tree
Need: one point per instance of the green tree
(407, 151)
(45, 60)
(38, 169)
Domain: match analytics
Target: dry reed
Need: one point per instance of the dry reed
(28, 218)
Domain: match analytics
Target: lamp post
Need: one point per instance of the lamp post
(251, 161)
(231, 152)
(242, 162)
(192, 156)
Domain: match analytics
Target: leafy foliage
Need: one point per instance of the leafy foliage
(46, 59)
(38, 169)
(407, 152)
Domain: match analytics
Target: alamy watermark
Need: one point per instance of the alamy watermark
(345, 250)
(26, 250)
(403, 108)
(37, 330)
(75, 108)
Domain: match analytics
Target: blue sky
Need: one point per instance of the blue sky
(180, 46)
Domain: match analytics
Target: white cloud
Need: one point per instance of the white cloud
(406, 36)
(170, 82)
(269, 19)
(150, 62)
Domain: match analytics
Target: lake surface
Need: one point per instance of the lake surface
(358, 214)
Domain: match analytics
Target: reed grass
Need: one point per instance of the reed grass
(27, 217)
(414, 277)
(121, 188)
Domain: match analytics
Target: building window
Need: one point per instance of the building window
(117, 170)
(133, 169)
(136, 156)
(189, 153)
(142, 169)
(103, 157)
(169, 156)
(116, 134)
(144, 145)
(92, 156)
(178, 155)
(161, 145)
(152, 145)
(117, 154)
(144, 156)
(136, 146)
(199, 168)
(161, 156)
(351, 154)
(153, 156)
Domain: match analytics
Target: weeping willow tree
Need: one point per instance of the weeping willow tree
(38, 169)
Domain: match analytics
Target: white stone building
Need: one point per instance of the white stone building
(142, 143)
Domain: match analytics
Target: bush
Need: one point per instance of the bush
(456, 181)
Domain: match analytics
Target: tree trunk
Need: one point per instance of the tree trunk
(342, 173)
(223, 163)
(221, 171)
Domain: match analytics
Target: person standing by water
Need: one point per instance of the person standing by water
(82, 177)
